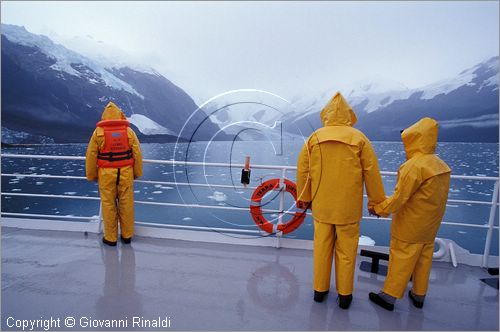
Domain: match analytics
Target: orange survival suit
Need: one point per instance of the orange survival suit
(114, 159)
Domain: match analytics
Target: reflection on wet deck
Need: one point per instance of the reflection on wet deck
(215, 287)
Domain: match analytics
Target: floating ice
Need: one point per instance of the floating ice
(70, 193)
(39, 183)
(451, 205)
(157, 192)
(366, 241)
(218, 196)
(462, 232)
(16, 189)
(187, 218)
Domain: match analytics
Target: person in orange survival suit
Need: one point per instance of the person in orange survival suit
(418, 205)
(114, 159)
(332, 167)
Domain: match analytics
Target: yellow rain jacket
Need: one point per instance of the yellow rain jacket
(117, 195)
(421, 192)
(334, 163)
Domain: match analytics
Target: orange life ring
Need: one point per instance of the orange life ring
(256, 208)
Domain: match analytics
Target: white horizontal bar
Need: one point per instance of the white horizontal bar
(150, 203)
(215, 207)
(196, 185)
(48, 216)
(47, 176)
(40, 156)
(206, 164)
(224, 230)
(51, 196)
(470, 202)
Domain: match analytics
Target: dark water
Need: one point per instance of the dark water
(464, 159)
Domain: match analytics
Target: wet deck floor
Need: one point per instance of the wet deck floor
(203, 286)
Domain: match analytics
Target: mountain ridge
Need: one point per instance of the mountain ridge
(63, 94)
(466, 106)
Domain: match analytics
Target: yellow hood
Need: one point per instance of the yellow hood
(420, 138)
(338, 112)
(112, 112)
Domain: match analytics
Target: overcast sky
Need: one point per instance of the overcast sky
(288, 48)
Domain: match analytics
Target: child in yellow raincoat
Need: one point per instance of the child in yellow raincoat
(334, 164)
(418, 205)
(114, 160)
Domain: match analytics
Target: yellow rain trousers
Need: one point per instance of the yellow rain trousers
(407, 259)
(343, 240)
(333, 166)
(117, 196)
(418, 205)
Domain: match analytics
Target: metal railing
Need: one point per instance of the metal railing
(490, 226)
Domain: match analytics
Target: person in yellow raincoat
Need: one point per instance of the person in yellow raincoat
(418, 205)
(114, 160)
(332, 167)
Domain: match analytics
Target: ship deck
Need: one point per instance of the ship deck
(212, 286)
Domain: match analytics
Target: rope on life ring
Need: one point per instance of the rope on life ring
(256, 208)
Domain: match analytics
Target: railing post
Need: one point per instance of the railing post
(99, 228)
(491, 221)
(279, 234)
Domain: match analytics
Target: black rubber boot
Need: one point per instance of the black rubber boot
(126, 240)
(345, 301)
(320, 296)
(377, 299)
(109, 243)
(416, 303)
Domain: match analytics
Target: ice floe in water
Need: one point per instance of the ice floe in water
(39, 183)
(366, 241)
(218, 196)
(187, 218)
(16, 189)
(70, 193)
(157, 192)
(462, 232)
(451, 205)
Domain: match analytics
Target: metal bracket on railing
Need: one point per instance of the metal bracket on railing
(279, 234)
(99, 228)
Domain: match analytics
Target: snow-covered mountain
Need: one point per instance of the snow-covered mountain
(466, 106)
(51, 91)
